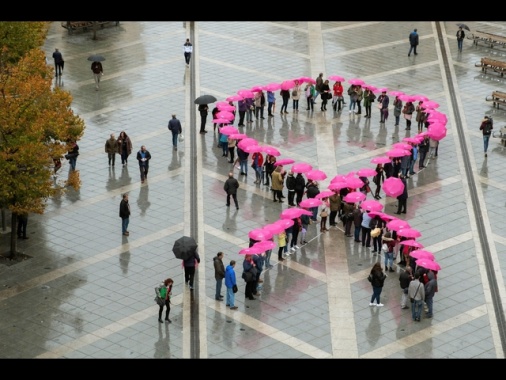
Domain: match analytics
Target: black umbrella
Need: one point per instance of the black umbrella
(205, 99)
(463, 26)
(96, 58)
(184, 247)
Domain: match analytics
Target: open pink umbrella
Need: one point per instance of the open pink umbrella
(354, 197)
(272, 87)
(264, 245)
(250, 251)
(430, 104)
(238, 136)
(382, 215)
(339, 178)
(395, 152)
(402, 145)
(301, 167)
(287, 84)
(393, 187)
(226, 108)
(294, 212)
(228, 130)
(234, 98)
(356, 81)
(370, 87)
(409, 233)
(225, 115)
(381, 160)
(436, 132)
(308, 80)
(257, 89)
(246, 94)
(316, 175)
(407, 98)
(429, 264)
(413, 140)
(383, 89)
(336, 186)
(354, 182)
(223, 103)
(279, 226)
(285, 223)
(271, 150)
(423, 98)
(366, 172)
(252, 148)
(397, 224)
(336, 78)
(324, 194)
(310, 202)
(421, 254)
(246, 142)
(284, 161)
(221, 121)
(371, 205)
(260, 234)
(412, 243)
(396, 93)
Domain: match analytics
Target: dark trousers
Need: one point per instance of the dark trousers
(234, 196)
(295, 236)
(291, 196)
(421, 163)
(112, 158)
(359, 107)
(187, 57)
(310, 104)
(189, 275)
(144, 170)
(231, 152)
(167, 310)
(250, 289)
(368, 110)
(280, 252)
(300, 194)
(22, 223)
(242, 114)
(269, 109)
(58, 68)
(203, 123)
(366, 236)
(332, 218)
(402, 205)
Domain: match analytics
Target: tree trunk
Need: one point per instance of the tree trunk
(14, 237)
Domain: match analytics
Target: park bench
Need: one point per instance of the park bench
(496, 98)
(487, 38)
(492, 64)
(72, 26)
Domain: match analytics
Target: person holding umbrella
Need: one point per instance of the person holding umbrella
(98, 71)
(203, 108)
(190, 265)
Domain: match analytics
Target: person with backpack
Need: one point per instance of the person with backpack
(487, 124)
(163, 293)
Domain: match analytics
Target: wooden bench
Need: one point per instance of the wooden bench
(496, 98)
(72, 26)
(487, 38)
(492, 64)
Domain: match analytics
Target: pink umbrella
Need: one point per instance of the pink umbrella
(238, 136)
(370, 87)
(308, 80)
(246, 142)
(271, 150)
(397, 224)
(272, 87)
(221, 121)
(301, 167)
(225, 115)
(287, 84)
(396, 93)
(279, 226)
(252, 148)
(381, 160)
(402, 145)
(366, 172)
(324, 194)
(398, 152)
(226, 108)
(429, 264)
(264, 245)
(260, 234)
(338, 185)
(423, 98)
(413, 140)
(311, 202)
(284, 161)
(356, 81)
(222, 104)
(336, 78)
(409, 233)
(250, 251)
(285, 223)
(339, 178)
(430, 104)
(228, 130)
(407, 98)
(294, 212)
(382, 215)
(246, 94)
(421, 254)
(393, 187)
(234, 98)
(354, 197)
(354, 182)
(383, 89)
(371, 205)
(436, 132)
(412, 243)
(256, 89)
(316, 175)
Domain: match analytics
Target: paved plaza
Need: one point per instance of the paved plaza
(87, 291)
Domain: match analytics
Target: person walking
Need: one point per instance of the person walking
(98, 71)
(402, 199)
(175, 127)
(124, 214)
(22, 224)
(187, 51)
(58, 62)
(124, 147)
(405, 278)
(486, 128)
(203, 109)
(416, 294)
(248, 265)
(190, 265)
(164, 291)
(231, 185)
(230, 283)
(111, 148)
(460, 38)
(413, 42)
(377, 279)
(72, 155)
(143, 156)
(219, 275)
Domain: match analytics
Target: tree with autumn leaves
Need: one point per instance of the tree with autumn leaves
(37, 124)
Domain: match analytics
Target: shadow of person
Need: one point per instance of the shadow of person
(125, 178)
(373, 330)
(162, 347)
(230, 223)
(175, 162)
(112, 182)
(124, 260)
(142, 200)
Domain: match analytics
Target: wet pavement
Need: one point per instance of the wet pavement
(87, 291)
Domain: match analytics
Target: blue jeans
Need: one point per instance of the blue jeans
(244, 166)
(459, 44)
(174, 139)
(416, 309)
(412, 48)
(485, 142)
(353, 103)
(376, 292)
(230, 297)
(224, 147)
(73, 161)
(412, 167)
(397, 120)
(314, 210)
(124, 224)
(218, 288)
(357, 232)
(288, 240)
(429, 302)
(268, 258)
(389, 259)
